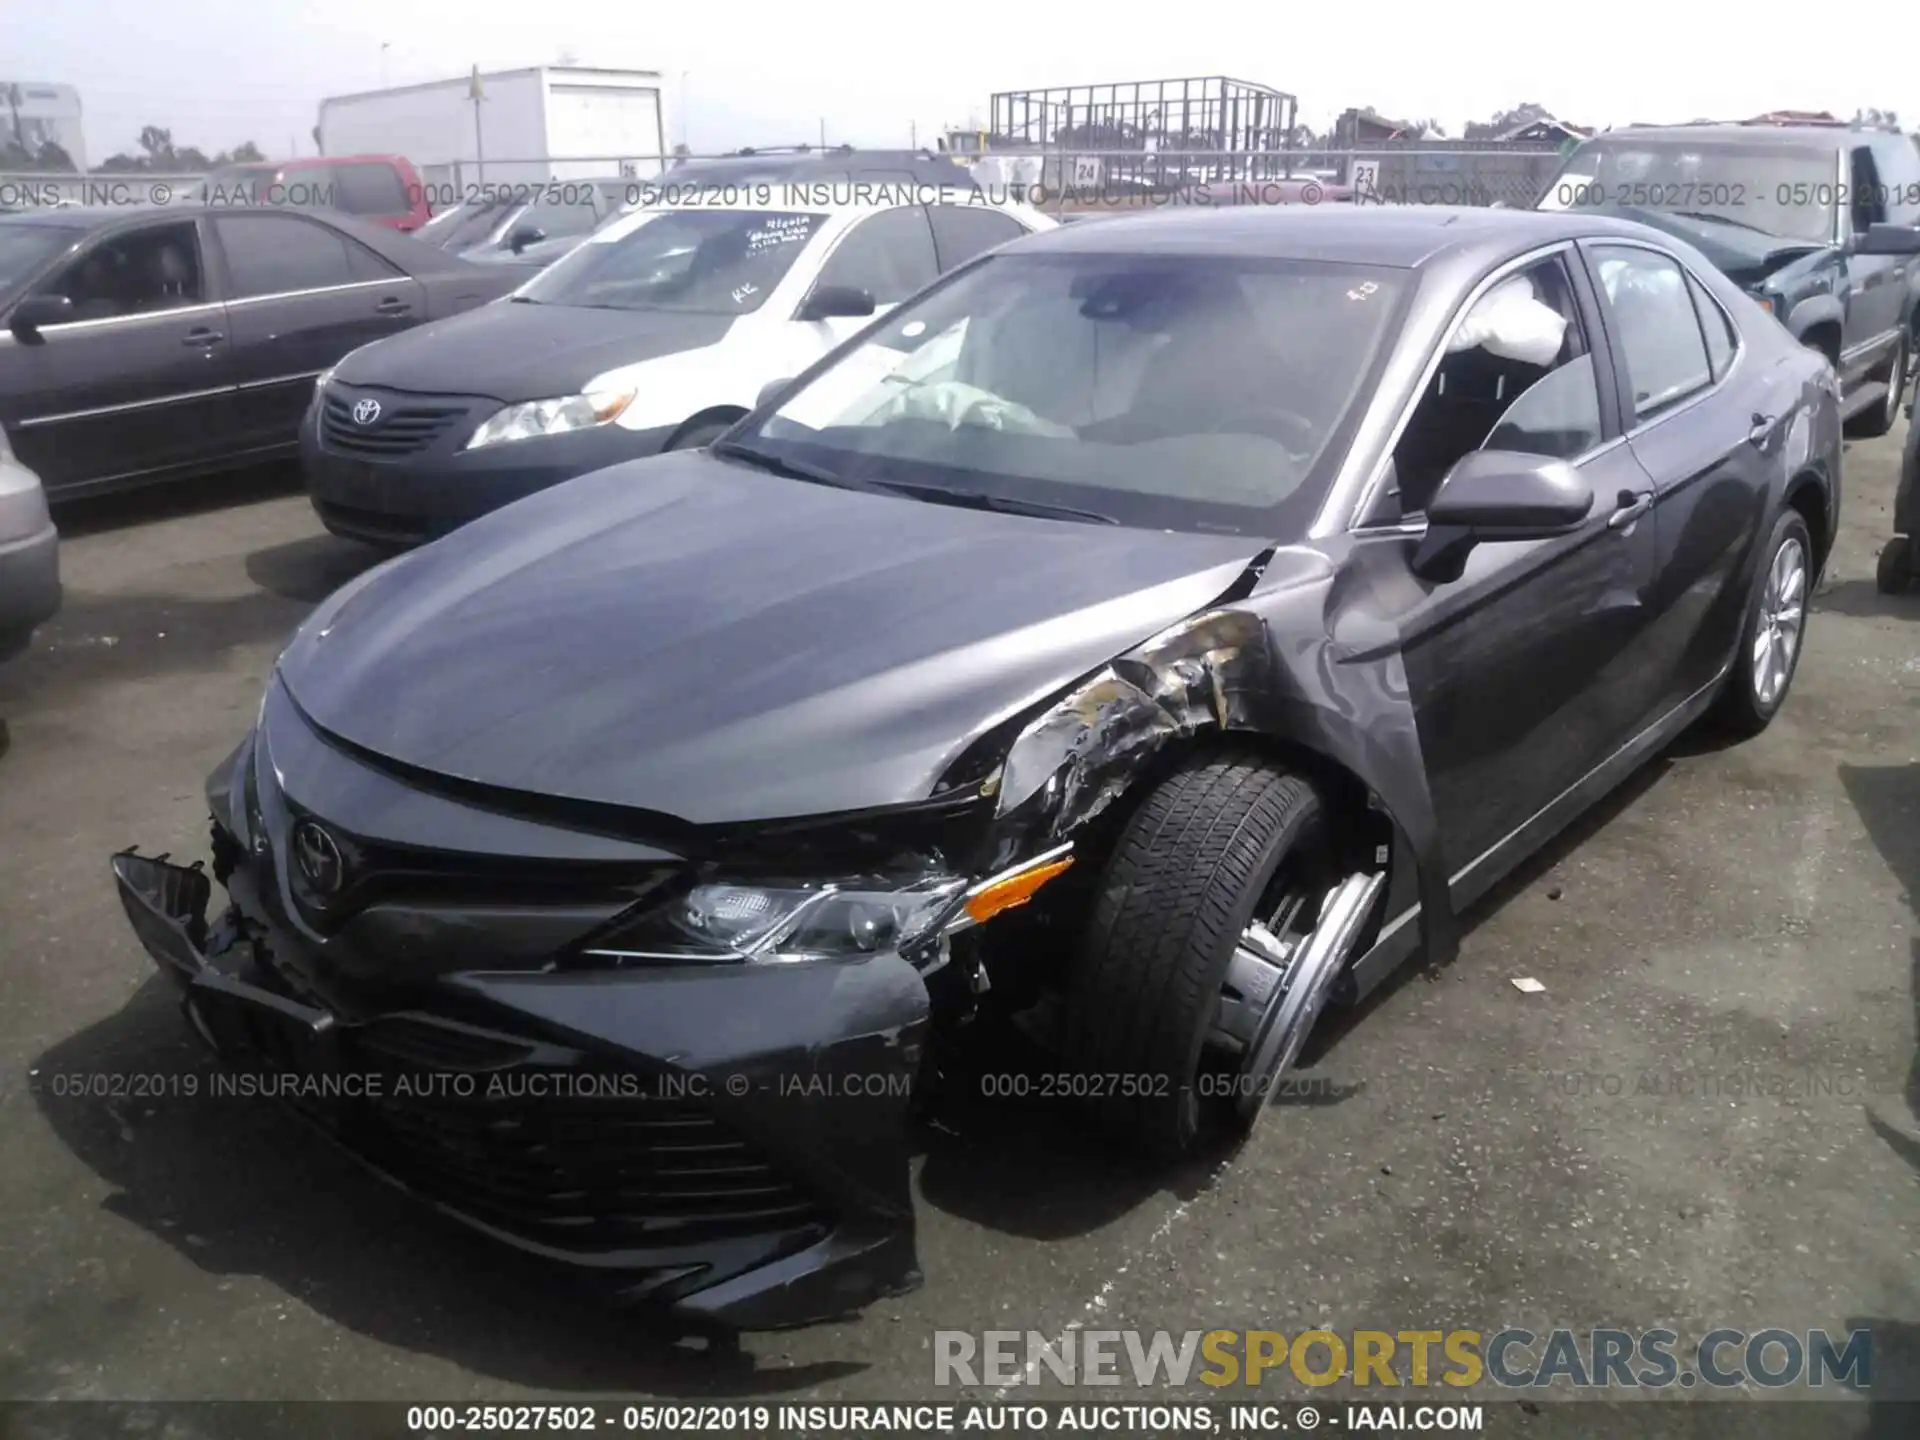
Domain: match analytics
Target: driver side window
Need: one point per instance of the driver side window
(1518, 375)
(137, 272)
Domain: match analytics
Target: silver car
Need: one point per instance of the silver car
(29, 554)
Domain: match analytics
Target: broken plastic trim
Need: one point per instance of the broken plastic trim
(1296, 1002)
(1074, 760)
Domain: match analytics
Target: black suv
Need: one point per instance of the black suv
(1819, 223)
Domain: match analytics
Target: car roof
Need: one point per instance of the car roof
(1399, 236)
(818, 166)
(418, 257)
(1775, 137)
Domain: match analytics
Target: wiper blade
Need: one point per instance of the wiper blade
(522, 300)
(791, 469)
(1004, 504)
(1713, 219)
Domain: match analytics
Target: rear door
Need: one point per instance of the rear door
(302, 294)
(141, 378)
(1702, 415)
(889, 254)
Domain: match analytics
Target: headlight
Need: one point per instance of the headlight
(783, 923)
(320, 380)
(551, 417)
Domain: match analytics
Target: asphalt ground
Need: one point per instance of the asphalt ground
(1738, 924)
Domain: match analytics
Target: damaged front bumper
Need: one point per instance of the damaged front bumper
(727, 1141)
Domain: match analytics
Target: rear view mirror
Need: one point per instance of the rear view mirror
(828, 302)
(1887, 239)
(1499, 495)
(524, 236)
(772, 392)
(36, 311)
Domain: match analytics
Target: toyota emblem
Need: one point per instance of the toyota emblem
(318, 855)
(365, 412)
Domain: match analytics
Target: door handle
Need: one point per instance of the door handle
(1632, 507)
(392, 305)
(1761, 428)
(200, 338)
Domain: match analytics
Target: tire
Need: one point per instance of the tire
(1743, 708)
(1893, 573)
(698, 437)
(1177, 891)
(1881, 418)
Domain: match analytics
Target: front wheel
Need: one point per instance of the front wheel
(1893, 574)
(1881, 418)
(1226, 847)
(1769, 650)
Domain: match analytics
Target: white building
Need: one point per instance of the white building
(32, 113)
(547, 122)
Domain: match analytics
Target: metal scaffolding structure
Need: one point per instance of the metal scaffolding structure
(1197, 113)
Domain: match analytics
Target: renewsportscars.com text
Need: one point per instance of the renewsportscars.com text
(1511, 1358)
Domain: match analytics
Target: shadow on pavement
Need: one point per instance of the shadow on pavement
(310, 569)
(173, 498)
(1863, 599)
(241, 1188)
(1887, 799)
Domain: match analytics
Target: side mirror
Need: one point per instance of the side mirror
(1499, 495)
(525, 235)
(1887, 239)
(828, 302)
(772, 392)
(36, 311)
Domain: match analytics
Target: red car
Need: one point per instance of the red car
(381, 188)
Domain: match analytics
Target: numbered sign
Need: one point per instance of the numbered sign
(1087, 170)
(1364, 176)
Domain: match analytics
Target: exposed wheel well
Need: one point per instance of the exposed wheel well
(1805, 495)
(716, 415)
(1824, 336)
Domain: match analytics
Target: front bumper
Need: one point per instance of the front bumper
(29, 586)
(727, 1141)
(412, 498)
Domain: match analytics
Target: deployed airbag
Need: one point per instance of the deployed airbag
(1511, 321)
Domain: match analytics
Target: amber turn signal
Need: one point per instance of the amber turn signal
(1012, 890)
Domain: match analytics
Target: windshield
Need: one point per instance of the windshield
(24, 248)
(1172, 392)
(706, 262)
(467, 223)
(1779, 190)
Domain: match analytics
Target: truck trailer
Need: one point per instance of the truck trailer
(548, 122)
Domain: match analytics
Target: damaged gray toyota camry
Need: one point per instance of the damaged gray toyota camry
(1161, 627)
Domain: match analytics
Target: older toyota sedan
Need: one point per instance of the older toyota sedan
(1165, 626)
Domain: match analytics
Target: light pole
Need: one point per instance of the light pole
(684, 106)
(384, 45)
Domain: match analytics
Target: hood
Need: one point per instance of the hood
(511, 351)
(686, 636)
(1744, 256)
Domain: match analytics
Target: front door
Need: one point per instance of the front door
(140, 379)
(1528, 670)
(890, 255)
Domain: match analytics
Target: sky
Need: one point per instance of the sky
(220, 72)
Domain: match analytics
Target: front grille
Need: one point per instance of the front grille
(537, 1146)
(399, 430)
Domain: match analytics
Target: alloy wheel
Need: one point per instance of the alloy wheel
(1776, 638)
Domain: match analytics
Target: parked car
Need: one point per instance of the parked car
(1816, 222)
(143, 344)
(502, 227)
(1163, 624)
(29, 555)
(1899, 566)
(655, 333)
(385, 189)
